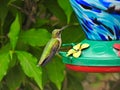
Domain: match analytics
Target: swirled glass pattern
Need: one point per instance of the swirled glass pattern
(100, 19)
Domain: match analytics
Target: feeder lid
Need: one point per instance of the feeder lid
(98, 54)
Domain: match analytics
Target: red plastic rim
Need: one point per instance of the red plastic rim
(94, 69)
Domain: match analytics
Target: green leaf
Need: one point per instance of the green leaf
(73, 83)
(14, 78)
(56, 10)
(4, 62)
(55, 70)
(29, 66)
(65, 5)
(74, 34)
(35, 37)
(3, 10)
(14, 32)
(5, 48)
(11, 1)
(40, 22)
(81, 76)
(45, 78)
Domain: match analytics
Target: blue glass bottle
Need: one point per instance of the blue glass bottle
(100, 19)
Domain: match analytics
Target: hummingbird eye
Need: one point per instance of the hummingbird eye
(59, 33)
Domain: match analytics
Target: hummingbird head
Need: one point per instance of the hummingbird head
(56, 33)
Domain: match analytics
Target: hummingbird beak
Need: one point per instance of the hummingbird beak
(60, 32)
(63, 28)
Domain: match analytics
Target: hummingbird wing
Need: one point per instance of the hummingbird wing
(49, 51)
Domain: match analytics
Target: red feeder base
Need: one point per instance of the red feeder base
(94, 69)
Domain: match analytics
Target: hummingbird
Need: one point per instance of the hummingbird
(51, 47)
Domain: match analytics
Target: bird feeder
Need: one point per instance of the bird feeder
(100, 51)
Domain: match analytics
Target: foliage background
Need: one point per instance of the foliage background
(25, 28)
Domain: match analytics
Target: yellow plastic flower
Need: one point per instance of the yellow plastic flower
(76, 51)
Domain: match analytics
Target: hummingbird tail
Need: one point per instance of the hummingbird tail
(45, 61)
